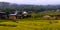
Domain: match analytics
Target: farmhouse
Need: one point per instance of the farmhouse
(13, 15)
(25, 14)
(3, 15)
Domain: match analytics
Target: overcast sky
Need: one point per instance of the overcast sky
(34, 2)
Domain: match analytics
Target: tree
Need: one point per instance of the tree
(7, 10)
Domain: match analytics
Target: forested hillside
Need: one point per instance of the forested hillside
(4, 6)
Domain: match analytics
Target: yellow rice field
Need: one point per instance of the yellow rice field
(32, 25)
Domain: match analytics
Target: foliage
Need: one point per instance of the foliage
(34, 8)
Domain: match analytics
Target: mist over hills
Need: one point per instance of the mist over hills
(34, 8)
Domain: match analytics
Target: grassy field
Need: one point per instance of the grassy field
(30, 25)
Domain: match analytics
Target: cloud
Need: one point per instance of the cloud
(36, 2)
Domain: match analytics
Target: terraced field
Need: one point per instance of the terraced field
(30, 25)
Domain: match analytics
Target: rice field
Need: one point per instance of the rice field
(30, 25)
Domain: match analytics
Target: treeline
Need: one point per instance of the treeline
(5, 6)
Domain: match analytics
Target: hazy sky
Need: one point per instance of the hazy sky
(34, 2)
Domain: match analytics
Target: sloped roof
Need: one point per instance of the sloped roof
(2, 12)
(13, 14)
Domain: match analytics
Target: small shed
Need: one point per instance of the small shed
(46, 16)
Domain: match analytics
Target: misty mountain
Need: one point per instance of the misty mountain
(35, 8)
